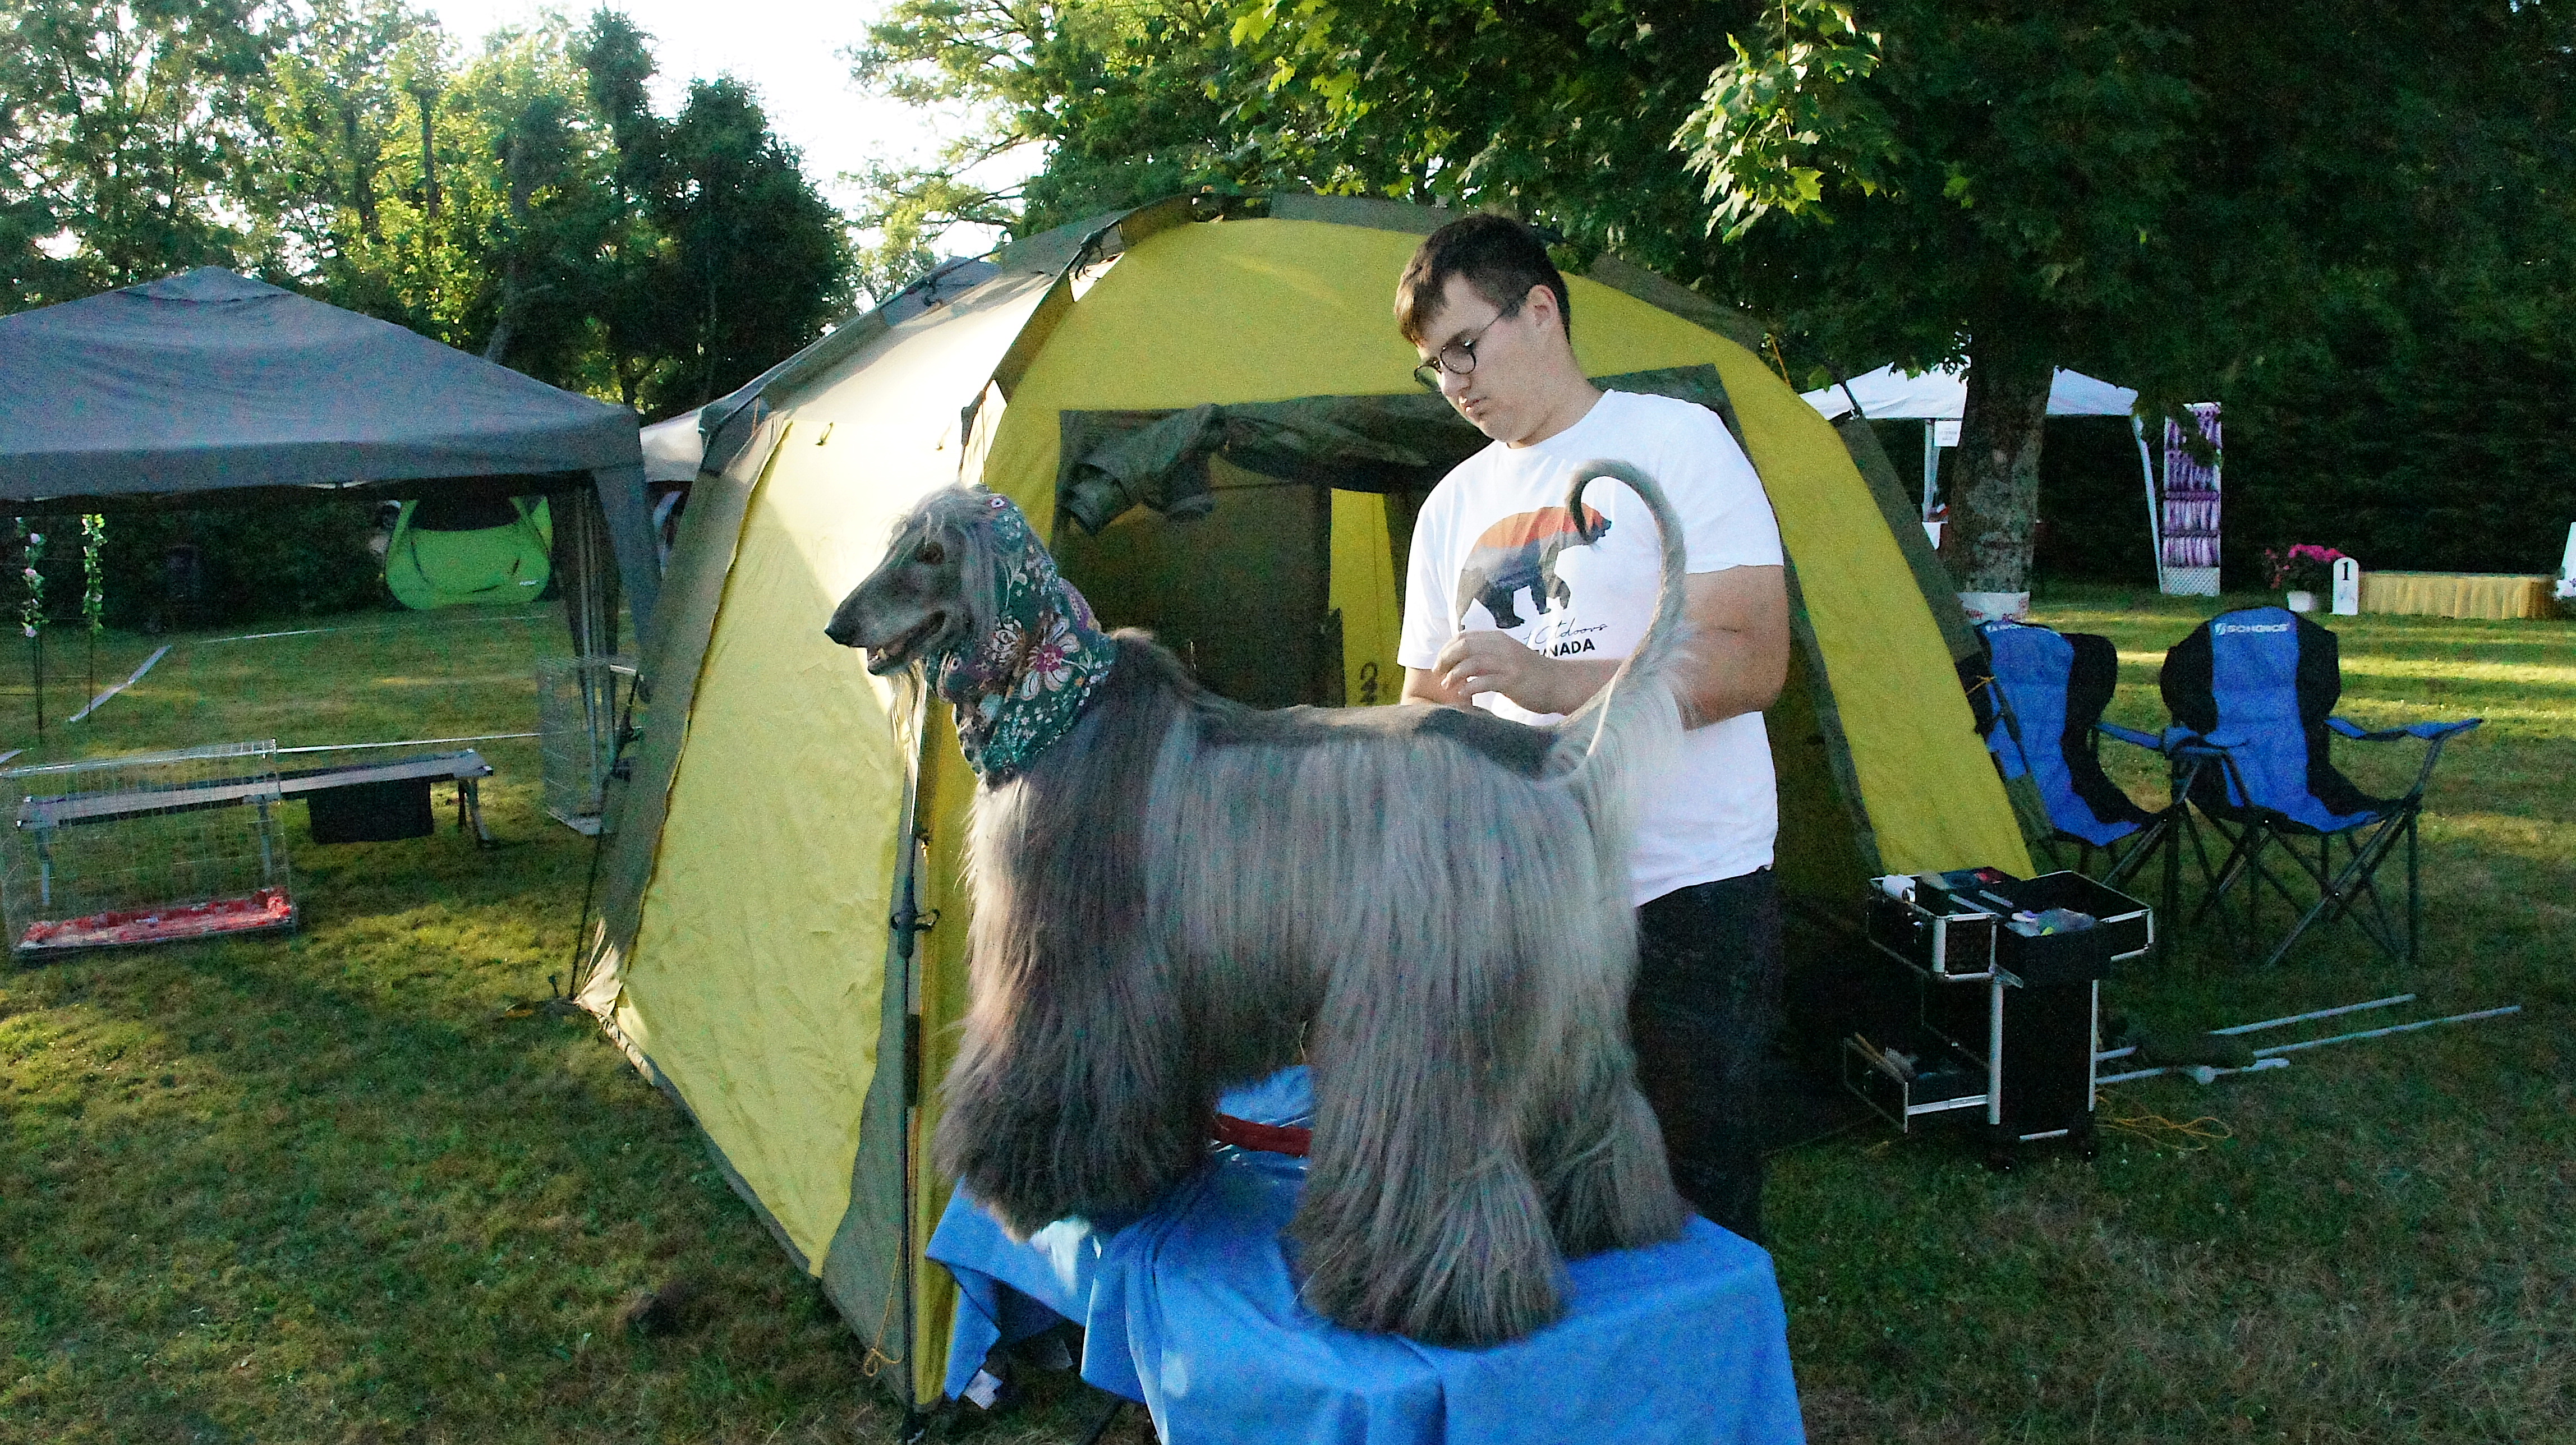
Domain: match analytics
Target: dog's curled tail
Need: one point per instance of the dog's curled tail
(1635, 720)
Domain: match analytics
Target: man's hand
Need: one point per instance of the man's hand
(1487, 661)
(1738, 657)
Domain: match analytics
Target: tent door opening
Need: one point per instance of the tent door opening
(1242, 593)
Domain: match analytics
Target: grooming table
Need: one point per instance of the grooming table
(1191, 1310)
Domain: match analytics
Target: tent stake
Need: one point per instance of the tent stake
(2323, 1013)
(2511, 1008)
(2271, 1058)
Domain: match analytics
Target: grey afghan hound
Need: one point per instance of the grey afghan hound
(1178, 893)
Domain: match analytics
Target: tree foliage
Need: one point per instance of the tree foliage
(122, 125)
(523, 202)
(2185, 195)
(2262, 205)
(1125, 101)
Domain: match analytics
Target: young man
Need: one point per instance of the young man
(1500, 613)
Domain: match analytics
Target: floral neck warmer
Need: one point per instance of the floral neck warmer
(1023, 684)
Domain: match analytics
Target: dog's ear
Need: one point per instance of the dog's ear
(978, 585)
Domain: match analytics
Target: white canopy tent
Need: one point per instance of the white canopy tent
(1939, 398)
(672, 449)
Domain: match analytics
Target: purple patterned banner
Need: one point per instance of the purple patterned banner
(2189, 505)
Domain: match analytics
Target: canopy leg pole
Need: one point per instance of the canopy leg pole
(2155, 519)
(628, 514)
(589, 576)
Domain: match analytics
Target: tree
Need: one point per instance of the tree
(2177, 191)
(616, 60)
(122, 131)
(1562, 112)
(330, 107)
(755, 260)
(724, 258)
(1128, 101)
(2189, 195)
(462, 200)
(331, 111)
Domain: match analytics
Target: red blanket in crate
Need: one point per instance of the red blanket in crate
(268, 908)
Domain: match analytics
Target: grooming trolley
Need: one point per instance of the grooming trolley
(2005, 1022)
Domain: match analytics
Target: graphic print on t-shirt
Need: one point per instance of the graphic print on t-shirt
(1518, 554)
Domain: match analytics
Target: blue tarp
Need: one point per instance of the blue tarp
(1191, 1309)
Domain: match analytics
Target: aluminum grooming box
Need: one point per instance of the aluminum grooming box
(2007, 983)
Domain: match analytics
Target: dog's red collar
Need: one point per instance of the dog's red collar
(1290, 1139)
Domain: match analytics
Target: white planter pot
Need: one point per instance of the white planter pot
(2303, 602)
(1994, 606)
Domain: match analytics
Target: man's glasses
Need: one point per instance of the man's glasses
(1459, 356)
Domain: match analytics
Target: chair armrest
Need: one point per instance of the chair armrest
(2149, 741)
(2429, 731)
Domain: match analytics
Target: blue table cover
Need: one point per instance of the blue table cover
(1190, 1309)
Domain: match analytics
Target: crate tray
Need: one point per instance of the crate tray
(268, 908)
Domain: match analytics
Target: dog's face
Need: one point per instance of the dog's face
(913, 606)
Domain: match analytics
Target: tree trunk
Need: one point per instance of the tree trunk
(427, 96)
(514, 290)
(362, 177)
(1994, 511)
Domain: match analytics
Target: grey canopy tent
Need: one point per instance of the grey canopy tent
(210, 381)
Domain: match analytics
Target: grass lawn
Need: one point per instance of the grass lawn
(323, 1189)
(2377, 1243)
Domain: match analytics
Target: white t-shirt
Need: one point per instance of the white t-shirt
(1493, 548)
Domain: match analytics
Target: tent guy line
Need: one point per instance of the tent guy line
(92, 706)
(376, 627)
(407, 743)
(164, 650)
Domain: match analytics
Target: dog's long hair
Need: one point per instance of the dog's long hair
(1429, 905)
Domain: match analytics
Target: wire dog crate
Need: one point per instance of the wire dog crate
(578, 701)
(144, 849)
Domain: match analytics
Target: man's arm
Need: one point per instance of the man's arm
(1736, 660)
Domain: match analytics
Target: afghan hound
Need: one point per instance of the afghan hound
(1174, 893)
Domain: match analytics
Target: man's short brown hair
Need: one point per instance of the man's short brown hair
(1501, 259)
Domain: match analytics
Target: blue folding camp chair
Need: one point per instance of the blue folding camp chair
(2041, 714)
(2254, 693)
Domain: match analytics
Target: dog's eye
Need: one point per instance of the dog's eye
(931, 554)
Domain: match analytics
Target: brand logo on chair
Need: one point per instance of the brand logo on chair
(2221, 629)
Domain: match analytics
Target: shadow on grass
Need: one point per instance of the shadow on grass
(307, 1187)
(2377, 1243)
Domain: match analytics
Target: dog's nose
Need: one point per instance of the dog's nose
(844, 626)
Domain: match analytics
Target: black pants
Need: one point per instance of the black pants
(1706, 1004)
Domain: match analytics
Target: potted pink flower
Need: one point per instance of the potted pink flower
(2303, 570)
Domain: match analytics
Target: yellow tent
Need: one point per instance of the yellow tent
(782, 948)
